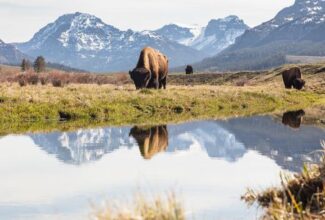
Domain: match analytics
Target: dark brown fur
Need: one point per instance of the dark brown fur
(189, 69)
(151, 70)
(293, 119)
(292, 78)
(150, 140)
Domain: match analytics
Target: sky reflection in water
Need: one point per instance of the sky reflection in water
(209, 163)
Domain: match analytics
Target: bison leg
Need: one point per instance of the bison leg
(163, 82)
(156, 84)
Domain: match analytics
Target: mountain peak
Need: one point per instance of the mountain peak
(230, 18)
(296, 30)
(216, 36)
(304, 2)
(82, 20)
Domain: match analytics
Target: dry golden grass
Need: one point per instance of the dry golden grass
(301, 196)
(159, 208)
(314, 74)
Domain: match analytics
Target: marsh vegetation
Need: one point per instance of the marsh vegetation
(301, 196)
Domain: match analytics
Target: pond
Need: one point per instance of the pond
(209, 164)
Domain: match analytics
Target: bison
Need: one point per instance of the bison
(292, 78)
(150, 140)
(293, 119)
(151, 70)
(189, 69)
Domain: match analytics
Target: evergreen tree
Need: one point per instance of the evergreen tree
(39, 64)
(25, 65)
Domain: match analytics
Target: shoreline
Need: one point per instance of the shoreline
(43, 108)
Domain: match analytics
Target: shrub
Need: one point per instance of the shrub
(241, 82)
(22, 82)
(32, 78)
(43, 80)
(20, 79)
(57, 83)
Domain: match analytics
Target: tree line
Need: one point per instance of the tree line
(39, 65)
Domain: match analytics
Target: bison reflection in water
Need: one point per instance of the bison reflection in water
(293, 119)
(150, 140)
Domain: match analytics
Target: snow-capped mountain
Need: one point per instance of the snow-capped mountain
(215, 37)
(303, 21)
(183, 34)
(9, 54)
(295, 30)
(84, 41)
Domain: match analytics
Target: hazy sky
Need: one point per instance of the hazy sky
(19, 20)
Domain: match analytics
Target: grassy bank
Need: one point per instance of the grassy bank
(301, 196)
(202, 96)
(124, 105)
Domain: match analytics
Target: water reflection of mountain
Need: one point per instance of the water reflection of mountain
(228, 140)
(84, 145)
(88, 145)
(289, 147)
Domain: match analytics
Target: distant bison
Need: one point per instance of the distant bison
(151, 70)
(293, 119)
(150, 140)
(292, 77)
(189, 69)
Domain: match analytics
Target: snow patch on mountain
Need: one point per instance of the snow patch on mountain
(216, 36)
(84, 41)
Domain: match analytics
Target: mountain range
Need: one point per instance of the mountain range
(295, 30)
(215, 37)
(84, 41)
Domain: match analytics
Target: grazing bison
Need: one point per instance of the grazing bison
(189, 69)
(151, 70)
(292, 77)
(150, 140)
(293, 119)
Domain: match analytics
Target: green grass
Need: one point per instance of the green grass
(40, 108)
(35, 108)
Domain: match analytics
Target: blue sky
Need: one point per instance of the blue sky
(19, 20)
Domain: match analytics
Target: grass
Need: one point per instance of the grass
(300, 197)
(43, 107)
(159, 208)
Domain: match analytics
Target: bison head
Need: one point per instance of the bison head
(298, 83)
(140, 77)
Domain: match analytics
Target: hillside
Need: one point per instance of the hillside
(9, 54)
(296, 30)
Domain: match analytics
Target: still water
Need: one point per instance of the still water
(61, 175)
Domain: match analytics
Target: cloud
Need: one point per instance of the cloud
(21, 19)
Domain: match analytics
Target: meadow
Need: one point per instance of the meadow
(79, 98)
